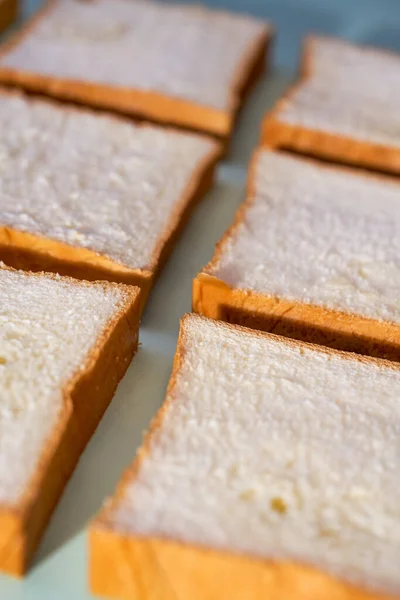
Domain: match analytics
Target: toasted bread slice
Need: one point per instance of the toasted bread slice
(344, 108)
(64, 347)
(8, 13)
(314, 254)
(94, 196)
(270, 472)
(187, 66)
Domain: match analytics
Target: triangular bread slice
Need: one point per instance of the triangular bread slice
(314, 254)
(94, 196)
(271, 471)
(344, 108)
(8, 13)
(184, 65)
(64, 347)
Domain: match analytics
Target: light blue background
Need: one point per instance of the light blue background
(59, 568)
(366, 21)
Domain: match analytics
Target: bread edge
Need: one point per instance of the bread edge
(8, 13)
(30, 252)
(321, 144)
(85, 398)
(154, 106)
(312, 323)
(129, 566)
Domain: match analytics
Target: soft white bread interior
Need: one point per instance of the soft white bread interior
(348, 91)
(95, 182)
(268, 448)
(317, 235)
(184, 52)
(54, 334)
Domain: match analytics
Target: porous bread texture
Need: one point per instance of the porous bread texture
(347, 90)
(316, 235)
(186, 52)
(48, 327)
(93, 181)
(273, 449)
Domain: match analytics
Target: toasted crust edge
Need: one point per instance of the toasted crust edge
(8, 13)
(85, 398)
(150, 105)
(30, 252)
(157, 569)
(130, 566)
(215, 299)
(320, 144)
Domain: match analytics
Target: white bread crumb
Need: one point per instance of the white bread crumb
(351, 91)
(275, 450)
(48, 326)
(186, 52)
(318, 236)
(92, 181)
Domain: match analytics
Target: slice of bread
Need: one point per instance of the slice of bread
(314, 254)
(271, 471)
(344, 108)
(64, 347)
(94, 196)
(188, 66)
(8, 13)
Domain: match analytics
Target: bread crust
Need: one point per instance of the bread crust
(322, 144)
(8, 13)
(150, 105)
(24, 250)
(155, 568)
(213, 298)
(85, 399)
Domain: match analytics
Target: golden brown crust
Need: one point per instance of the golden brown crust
(123, 565)
(158, 569)
(305, 322)
(28, 252)
(8, 13)
(86, 397)
(23, 250)
(157, 107)
(321, 144)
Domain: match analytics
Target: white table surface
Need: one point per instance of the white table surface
(59, 569)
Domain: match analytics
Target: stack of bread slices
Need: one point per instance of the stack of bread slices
(91, 204)
(271, 470)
